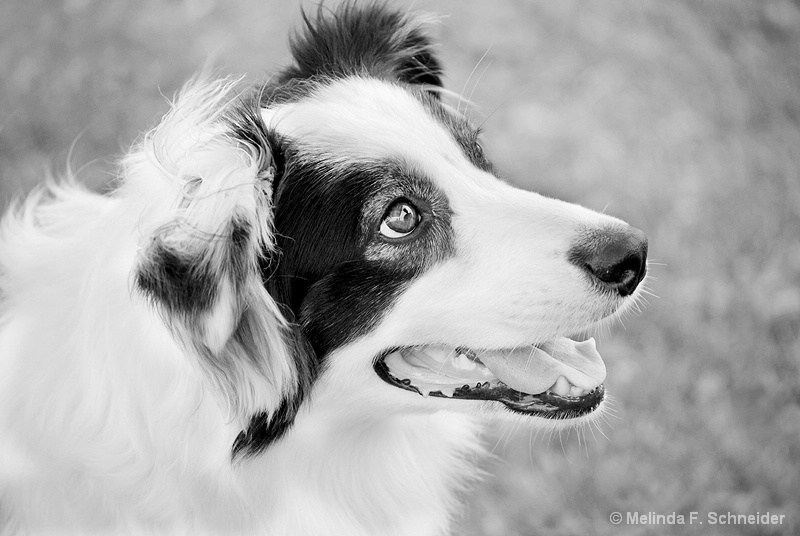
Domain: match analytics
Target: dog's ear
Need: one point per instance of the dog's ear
(371, 39)
(204, 179)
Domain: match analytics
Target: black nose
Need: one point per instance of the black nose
(616, 257)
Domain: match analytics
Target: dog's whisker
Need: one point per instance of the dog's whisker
(530, 446)
(480, 77)
(561, 442)
(496, 109)
(471, 73)
(591, 431)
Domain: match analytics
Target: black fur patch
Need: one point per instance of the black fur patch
(365, 39)
(349, 301)
(369, 39)
(326, 220)
(266, 428)
(180, 282)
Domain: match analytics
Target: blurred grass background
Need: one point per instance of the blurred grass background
(680, 117)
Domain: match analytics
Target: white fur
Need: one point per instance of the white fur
(112, 422)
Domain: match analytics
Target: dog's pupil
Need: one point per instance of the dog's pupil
(402, 218)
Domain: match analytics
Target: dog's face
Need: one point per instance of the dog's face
(410, 260)
(410, 276)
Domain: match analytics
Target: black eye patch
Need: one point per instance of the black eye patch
(336, 273)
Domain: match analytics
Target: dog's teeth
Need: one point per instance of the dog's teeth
(561, 387)
(576, 391)
(467, 352)
(462, 362)
(448, 391)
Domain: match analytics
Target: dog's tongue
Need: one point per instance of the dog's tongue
(535, 369)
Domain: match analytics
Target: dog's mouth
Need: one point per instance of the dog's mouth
(559, 379)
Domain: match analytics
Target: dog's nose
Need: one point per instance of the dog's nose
(616, 257)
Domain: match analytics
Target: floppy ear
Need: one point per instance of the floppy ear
(370, 39)
(204, 178)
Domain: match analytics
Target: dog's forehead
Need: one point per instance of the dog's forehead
(369, 120)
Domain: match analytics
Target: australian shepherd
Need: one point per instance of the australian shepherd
(297, 310)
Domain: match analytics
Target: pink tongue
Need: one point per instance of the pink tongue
(535, 369)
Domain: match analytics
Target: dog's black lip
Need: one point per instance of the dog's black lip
(547, 405)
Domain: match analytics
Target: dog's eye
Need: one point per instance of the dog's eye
(400, 220)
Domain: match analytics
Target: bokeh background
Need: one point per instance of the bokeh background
(681, 117)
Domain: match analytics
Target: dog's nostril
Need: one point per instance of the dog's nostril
(623, 275)
(616, 257)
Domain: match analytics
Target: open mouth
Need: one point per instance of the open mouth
(559, 379)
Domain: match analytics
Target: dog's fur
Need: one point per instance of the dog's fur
(195, 353)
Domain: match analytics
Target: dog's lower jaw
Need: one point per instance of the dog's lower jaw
(364, 473)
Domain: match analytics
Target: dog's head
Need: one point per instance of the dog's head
(340, 234)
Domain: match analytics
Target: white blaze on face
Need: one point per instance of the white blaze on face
(510, 282)
(365, 119)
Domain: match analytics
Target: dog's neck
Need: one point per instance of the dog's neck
(366, 473)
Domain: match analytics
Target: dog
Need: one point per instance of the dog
(297, 310)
